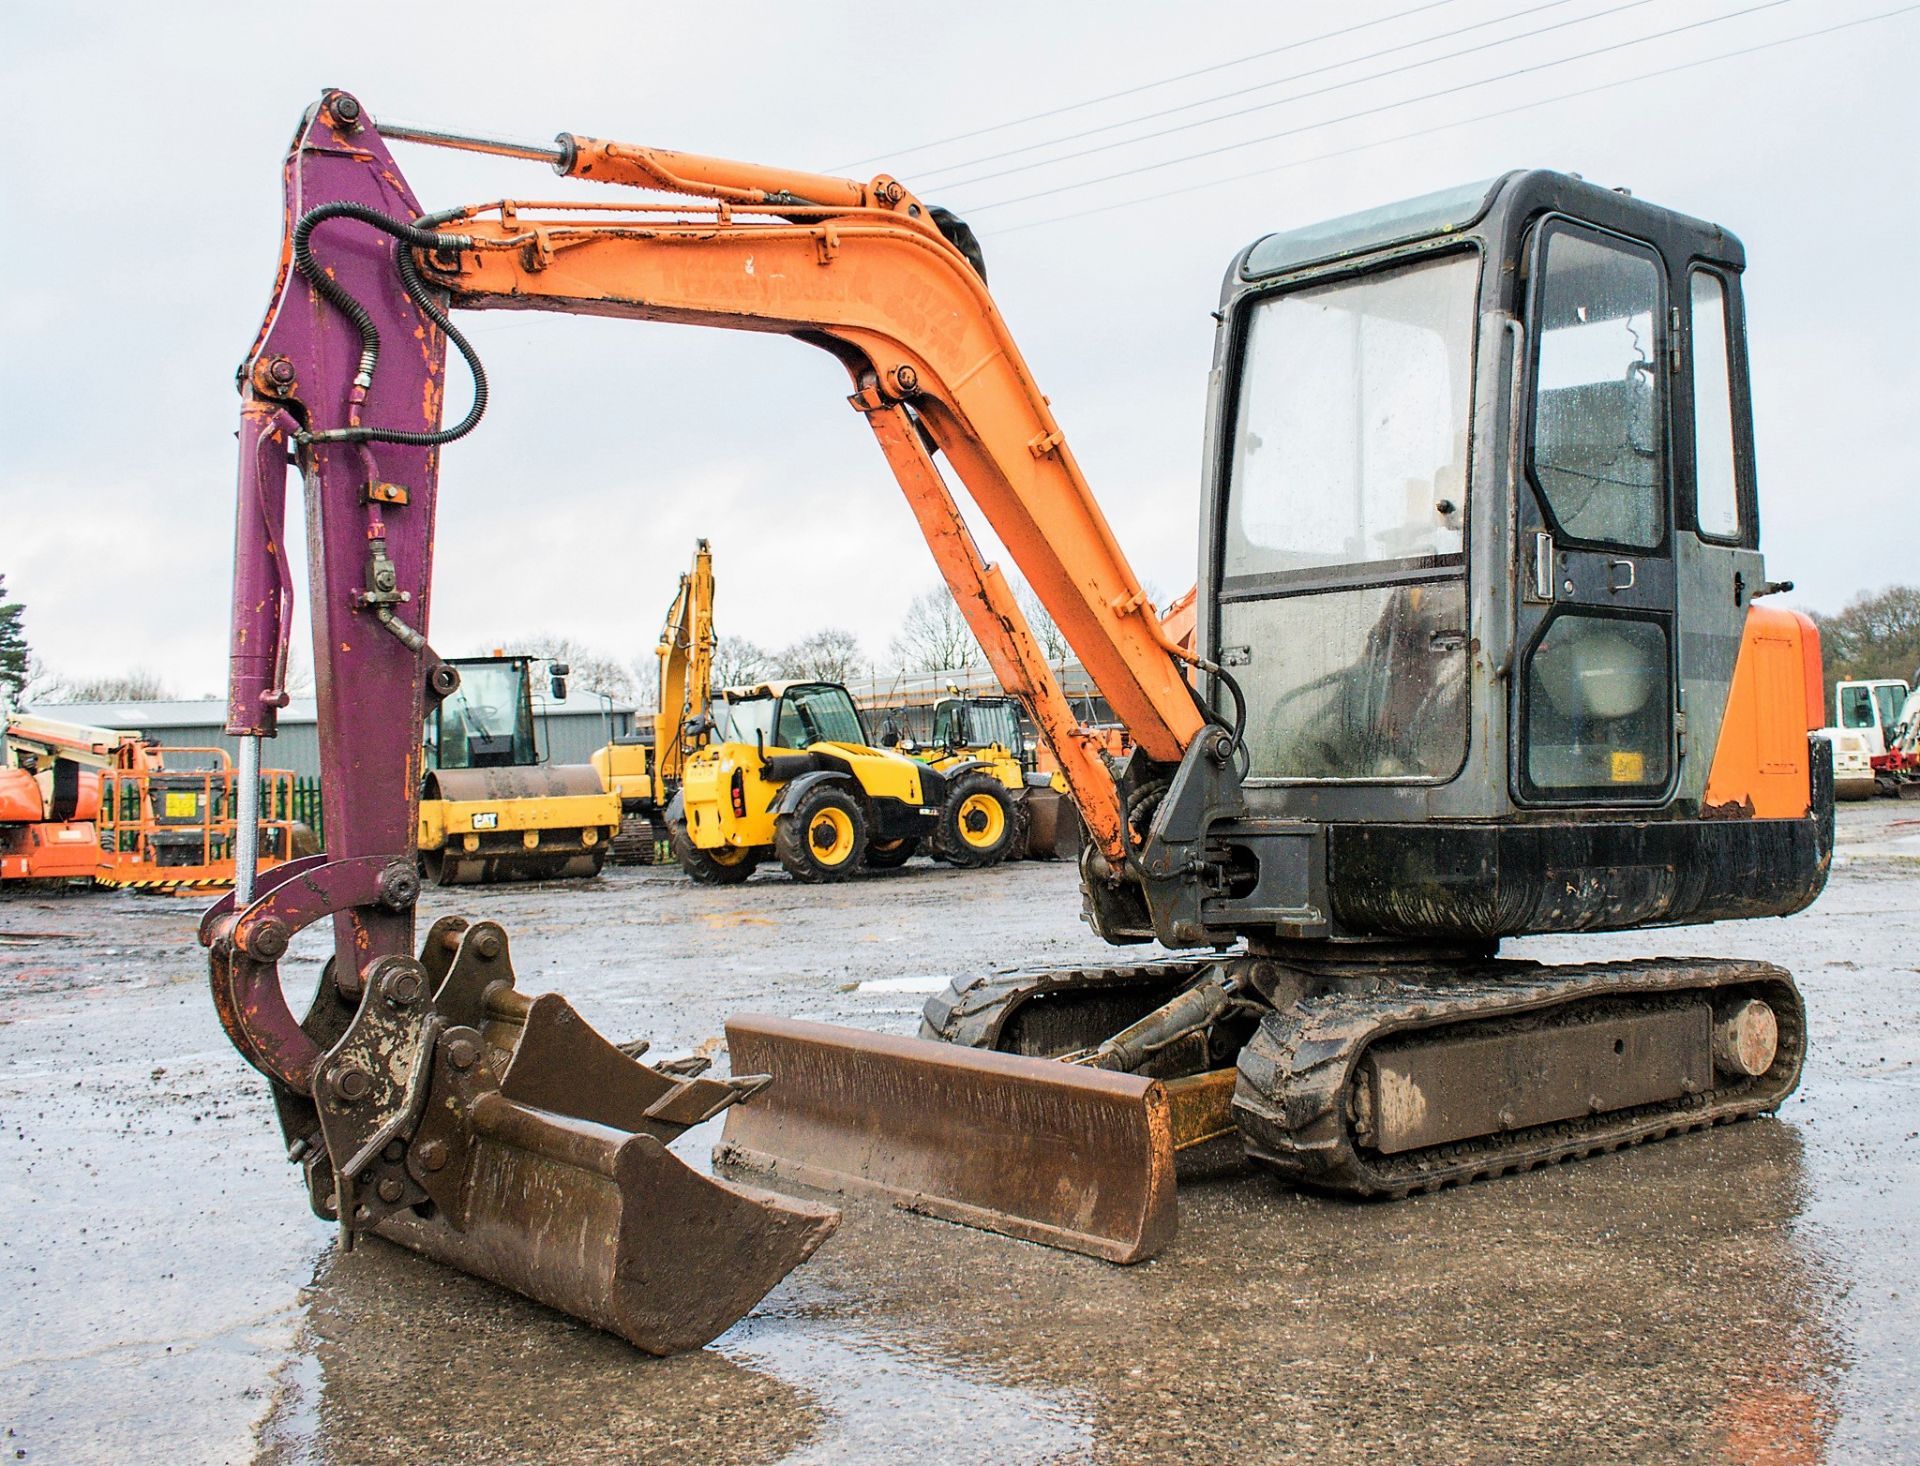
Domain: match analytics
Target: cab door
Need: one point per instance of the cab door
(1594, 688)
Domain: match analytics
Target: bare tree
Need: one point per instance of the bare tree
(591, 669)
(43, 684)
(829, 655)
(933, 635)
(738, 662)
(1876, 635)
(137, 684)
(646, 682)
(299, 678)
(1053, 642)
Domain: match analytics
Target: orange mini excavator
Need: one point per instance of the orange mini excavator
(1478, 653)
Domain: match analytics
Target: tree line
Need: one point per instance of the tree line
(1877, 634)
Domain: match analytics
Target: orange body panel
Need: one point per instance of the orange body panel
(1762, 763)
(19, 798)
(1182, 620)
(49, 851)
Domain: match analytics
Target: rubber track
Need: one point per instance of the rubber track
(640, 840)
(1290, 1101)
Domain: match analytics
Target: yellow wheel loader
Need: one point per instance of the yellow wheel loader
(491, 808)
(978, 739)
(788, 773)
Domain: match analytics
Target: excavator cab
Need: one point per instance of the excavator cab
(1480, 558)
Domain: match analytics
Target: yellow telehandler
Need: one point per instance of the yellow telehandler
(788, 772)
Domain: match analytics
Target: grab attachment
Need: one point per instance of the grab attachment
(500, 1134)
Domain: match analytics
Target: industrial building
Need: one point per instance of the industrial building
(569, 731)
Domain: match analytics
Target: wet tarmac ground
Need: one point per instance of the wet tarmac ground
(1751, 1294)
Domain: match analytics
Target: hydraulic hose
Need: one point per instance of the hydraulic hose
(411, 238)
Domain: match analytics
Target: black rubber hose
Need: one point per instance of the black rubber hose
(410, 238)
(1238, 727)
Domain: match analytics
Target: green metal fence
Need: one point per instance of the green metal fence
(306, 807)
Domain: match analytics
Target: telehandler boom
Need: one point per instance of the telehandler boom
(646, 773)
(1475, 655)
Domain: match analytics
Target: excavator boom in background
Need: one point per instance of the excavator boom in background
(1476, 653)
(646, 772)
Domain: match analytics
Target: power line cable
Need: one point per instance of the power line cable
(1148, 86)
(1558, 25)
(1423, 132)
(1229, 96)
(1466, 86)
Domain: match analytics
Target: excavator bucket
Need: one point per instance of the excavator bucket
(1070, 1156)
(500, 1134)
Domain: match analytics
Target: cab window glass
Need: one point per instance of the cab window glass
(1856, 707)
(1597, 706)
(823, 714)
(1350, 438)
(1717, 492)
(1890, 698)
(1599, 414)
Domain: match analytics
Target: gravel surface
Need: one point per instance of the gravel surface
(1751, 1294)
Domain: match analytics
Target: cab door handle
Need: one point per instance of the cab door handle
(1620, 575)
(1541, 586)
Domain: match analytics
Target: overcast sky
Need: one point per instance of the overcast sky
(140, 183)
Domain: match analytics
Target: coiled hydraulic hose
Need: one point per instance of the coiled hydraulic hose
(411, 238)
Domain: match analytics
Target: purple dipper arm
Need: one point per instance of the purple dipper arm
(370, 510)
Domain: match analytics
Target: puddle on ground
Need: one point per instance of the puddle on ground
(929, 982)
(872, 1395)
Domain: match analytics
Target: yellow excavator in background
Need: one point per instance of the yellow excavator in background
(645, 771)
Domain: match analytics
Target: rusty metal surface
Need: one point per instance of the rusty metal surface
(1447, 1089)
(606, 1224)
(535, 1155)
(1072, 1157)
(1201, 1107)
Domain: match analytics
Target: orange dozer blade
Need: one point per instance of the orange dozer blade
(1069, 1156)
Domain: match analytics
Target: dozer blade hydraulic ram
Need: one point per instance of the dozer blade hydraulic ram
(426, 1099)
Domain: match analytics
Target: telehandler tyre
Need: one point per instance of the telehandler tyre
(821, 839)
(891, 854)
(980, 825)
(727, 866)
